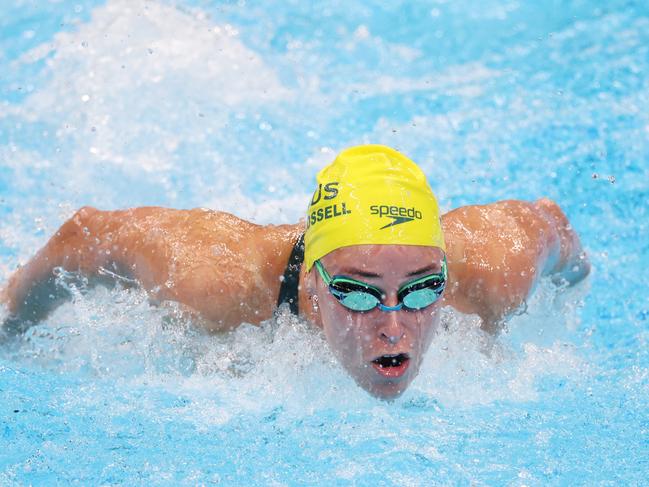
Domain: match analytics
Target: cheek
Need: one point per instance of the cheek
(344, 331)
(428, 323)
(340, 328)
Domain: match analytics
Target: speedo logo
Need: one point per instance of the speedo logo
(399, 214)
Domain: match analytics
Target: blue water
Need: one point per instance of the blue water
(235, 106)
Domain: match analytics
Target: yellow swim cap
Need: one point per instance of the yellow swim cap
(371, 194)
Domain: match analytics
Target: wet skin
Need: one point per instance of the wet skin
(226, 271)
(359, 338)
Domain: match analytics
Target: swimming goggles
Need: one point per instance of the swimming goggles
(360, 296)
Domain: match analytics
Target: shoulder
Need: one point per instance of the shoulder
(494, 253)
(510, 228)
(153, 222)
(500, 214)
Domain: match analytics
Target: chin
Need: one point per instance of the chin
(388, 391)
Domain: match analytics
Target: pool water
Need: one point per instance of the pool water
(235, 106)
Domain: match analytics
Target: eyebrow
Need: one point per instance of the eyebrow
(368, 274)
(424, 269)
(358, 272)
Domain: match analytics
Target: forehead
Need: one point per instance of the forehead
(382, 258)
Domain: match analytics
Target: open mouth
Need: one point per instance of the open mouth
(391, 365)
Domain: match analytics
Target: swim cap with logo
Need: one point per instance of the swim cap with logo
(371, 194)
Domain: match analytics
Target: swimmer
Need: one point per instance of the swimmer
(371, 266)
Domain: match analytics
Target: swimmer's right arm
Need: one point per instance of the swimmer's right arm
(217, 266)
(84, 245)
(133, 246)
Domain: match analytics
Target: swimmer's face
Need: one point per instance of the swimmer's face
(381, 350)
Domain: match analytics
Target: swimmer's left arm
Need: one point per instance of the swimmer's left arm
(497, 253)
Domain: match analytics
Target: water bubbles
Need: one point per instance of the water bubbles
(230, 30)
(610, 178)
(361, 33)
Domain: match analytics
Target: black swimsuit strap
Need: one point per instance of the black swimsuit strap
(291, 279)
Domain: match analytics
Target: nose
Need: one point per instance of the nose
(391, 330)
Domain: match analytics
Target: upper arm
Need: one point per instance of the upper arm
(497, 254)
(156, 246)
(203, 259)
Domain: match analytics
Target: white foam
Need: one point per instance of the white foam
(463, 80)
(467, 366)
(287, 209)
(140, 81)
